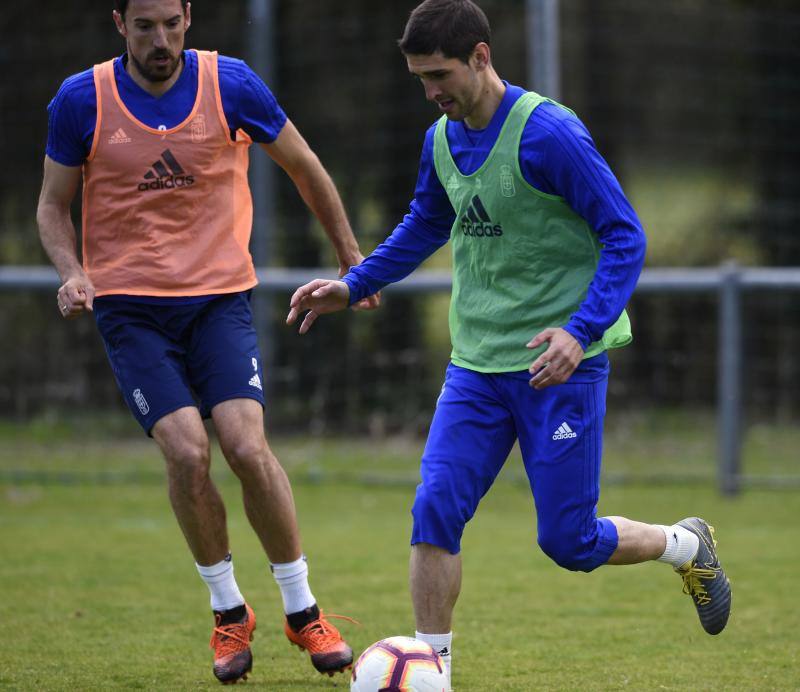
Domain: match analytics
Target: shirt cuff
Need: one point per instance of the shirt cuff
(579, 333)
(355, 288)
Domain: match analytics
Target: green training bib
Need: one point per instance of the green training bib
(522, 259)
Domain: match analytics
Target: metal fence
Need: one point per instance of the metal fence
(727, 284)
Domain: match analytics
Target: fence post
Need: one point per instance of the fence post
(729, 378)
(543, 47)
(260, 55)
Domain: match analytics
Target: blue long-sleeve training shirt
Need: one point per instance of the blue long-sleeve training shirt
(557, 156)
(247, 102)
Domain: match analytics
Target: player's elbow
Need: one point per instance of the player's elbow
(302, 165)
(641, 247)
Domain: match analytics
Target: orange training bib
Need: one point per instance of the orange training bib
(167, 212)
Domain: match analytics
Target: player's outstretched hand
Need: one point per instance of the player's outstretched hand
(75, 296)
(558, 361)
(370, 302)
(319, 297)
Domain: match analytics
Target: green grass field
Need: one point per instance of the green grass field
(98, 590)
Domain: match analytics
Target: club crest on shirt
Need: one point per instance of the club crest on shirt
(507, 181)
(198, 128)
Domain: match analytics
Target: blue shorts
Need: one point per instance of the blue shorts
(478, 419)
(167, 356)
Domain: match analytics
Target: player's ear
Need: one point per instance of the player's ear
(187, 16)
(120, 23)
(481, 56)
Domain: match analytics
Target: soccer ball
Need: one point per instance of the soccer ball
(399, 664)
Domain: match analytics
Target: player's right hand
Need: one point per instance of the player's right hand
(75, 297)
(319, 297)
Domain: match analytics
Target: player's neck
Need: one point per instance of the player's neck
(153, 88)
(492, 92)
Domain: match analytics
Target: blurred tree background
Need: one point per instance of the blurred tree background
(693, 102)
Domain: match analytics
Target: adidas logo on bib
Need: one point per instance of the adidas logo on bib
(165, 173)
(564, 432)
(476, 221)
(119, 137)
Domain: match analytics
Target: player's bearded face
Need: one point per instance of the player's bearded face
(155, 32)
(159, 65)
(451, 84)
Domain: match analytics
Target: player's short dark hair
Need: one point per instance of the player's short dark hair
(122, 6)
(452, 27)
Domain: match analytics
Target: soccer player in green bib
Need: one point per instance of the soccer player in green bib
(546, 254)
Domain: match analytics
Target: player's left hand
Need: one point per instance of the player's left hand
(368, 303)
(75, 296)
(558, 361)
(319, 297)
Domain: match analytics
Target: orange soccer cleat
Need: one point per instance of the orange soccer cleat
(231, 643)
(329, 652)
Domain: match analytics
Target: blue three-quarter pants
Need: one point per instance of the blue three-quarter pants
(478, 418)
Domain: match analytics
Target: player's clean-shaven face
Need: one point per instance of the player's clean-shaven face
(154, 31)
(453, 85)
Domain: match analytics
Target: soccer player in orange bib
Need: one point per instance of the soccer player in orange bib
(159, 138)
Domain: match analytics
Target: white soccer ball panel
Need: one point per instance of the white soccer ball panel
(399, 664)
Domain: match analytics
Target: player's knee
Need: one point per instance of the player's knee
(188, 465)
(567, 551)
(248, 457)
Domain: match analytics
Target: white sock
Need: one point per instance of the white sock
(682, 545)
(442, 644)
(225, 593)
(292, 578)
